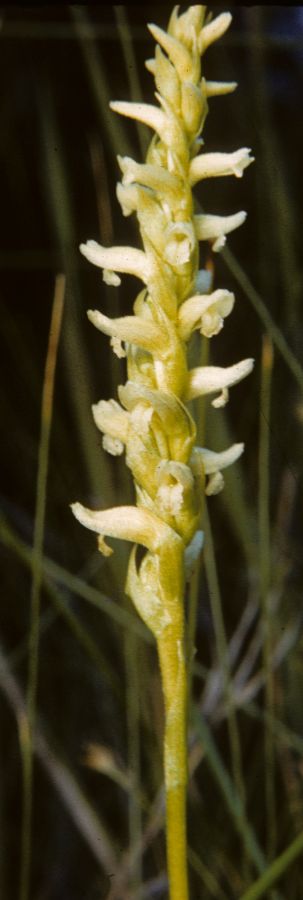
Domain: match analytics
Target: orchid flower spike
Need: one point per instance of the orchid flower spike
(153, 425)
(152, 422)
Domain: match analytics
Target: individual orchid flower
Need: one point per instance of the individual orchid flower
(212, 165)
(210, 379)
(206, 312)
(117, 259)
(166, 185)
(162, 121)
(173, 414)
(213, 30)
(215, 228)
(130, 524)
(132, 329)
(213, 463)
(112, 420)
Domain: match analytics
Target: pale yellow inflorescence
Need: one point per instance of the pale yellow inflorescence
(152, 422)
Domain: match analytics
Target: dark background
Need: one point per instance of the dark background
(59, 67)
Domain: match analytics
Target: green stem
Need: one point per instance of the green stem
(171, 657)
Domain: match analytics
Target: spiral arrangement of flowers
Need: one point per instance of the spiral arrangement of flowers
(151, 421)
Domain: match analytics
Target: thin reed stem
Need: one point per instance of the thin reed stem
(230, 794)
(206, 876)
(265, 581)
(26, 727)
(276, 870)
(133, 729)
(222, 647)
(71, 795)
(264, 315)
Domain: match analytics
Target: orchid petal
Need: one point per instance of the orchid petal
(186, 66)
(215, 484)
(210, 165)
(220, 88)
(214, 462)
(216, 227)
(208, 379)
(128, 523)
(117, 259)
(214, 30)
(153, 176)
(188, 25)
(167, 80)
(143, 112)
(112, 420)
(132, 329)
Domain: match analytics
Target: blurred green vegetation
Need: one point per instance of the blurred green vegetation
(85, 800)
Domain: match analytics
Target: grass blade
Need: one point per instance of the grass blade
(274, 872)
(81, 812)
(232, 799)
(259, 306)
(26, 733)
(265, 581)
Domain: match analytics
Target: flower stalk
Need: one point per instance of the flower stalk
(152, 422)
